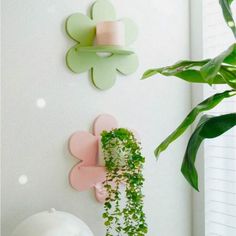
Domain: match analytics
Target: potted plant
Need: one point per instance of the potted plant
(124, 164)
(218, 70)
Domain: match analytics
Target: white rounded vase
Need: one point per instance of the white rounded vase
(52, 223)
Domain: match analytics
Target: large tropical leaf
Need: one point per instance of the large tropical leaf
(186, 70)
(228, 15)
(219, 70)
(208, 127)
(206, 105)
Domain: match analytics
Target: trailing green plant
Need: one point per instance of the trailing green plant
(218, 70)
(124, 164)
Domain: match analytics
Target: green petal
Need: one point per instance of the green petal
(126, 64)
(81, 28)
(105, 69)
(80, 62)
(103, 10)
(103, 75)
(131, 31)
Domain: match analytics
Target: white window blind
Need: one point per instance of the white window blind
(219, 153)
(220, 177)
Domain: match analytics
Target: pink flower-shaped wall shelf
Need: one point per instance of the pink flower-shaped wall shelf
(89, 172)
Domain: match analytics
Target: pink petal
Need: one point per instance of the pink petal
(84, 178)
(84, 146)
(104, 122)
(100, 192)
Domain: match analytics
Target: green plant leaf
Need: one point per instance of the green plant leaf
(212, 71)
(208, 127)
(231, 58)
(228, 15)
(230, 74)
(206, 105)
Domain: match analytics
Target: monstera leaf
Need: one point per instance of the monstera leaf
(206, 105)
(219, 70)
(227, 12)
(209, 127)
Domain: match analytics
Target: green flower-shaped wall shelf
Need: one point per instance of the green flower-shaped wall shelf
(85, 55)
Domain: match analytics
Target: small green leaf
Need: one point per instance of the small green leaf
(206, 105)
(107, 223)
(208, 127)
(228, 15)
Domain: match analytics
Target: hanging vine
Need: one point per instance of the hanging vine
(124, 163)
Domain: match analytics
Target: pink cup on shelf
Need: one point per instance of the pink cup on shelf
(110, 33)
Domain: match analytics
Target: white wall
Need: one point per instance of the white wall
(35, 140)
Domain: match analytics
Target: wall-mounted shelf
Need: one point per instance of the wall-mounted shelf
(90, 172)
(102, 33)
(106, 49)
